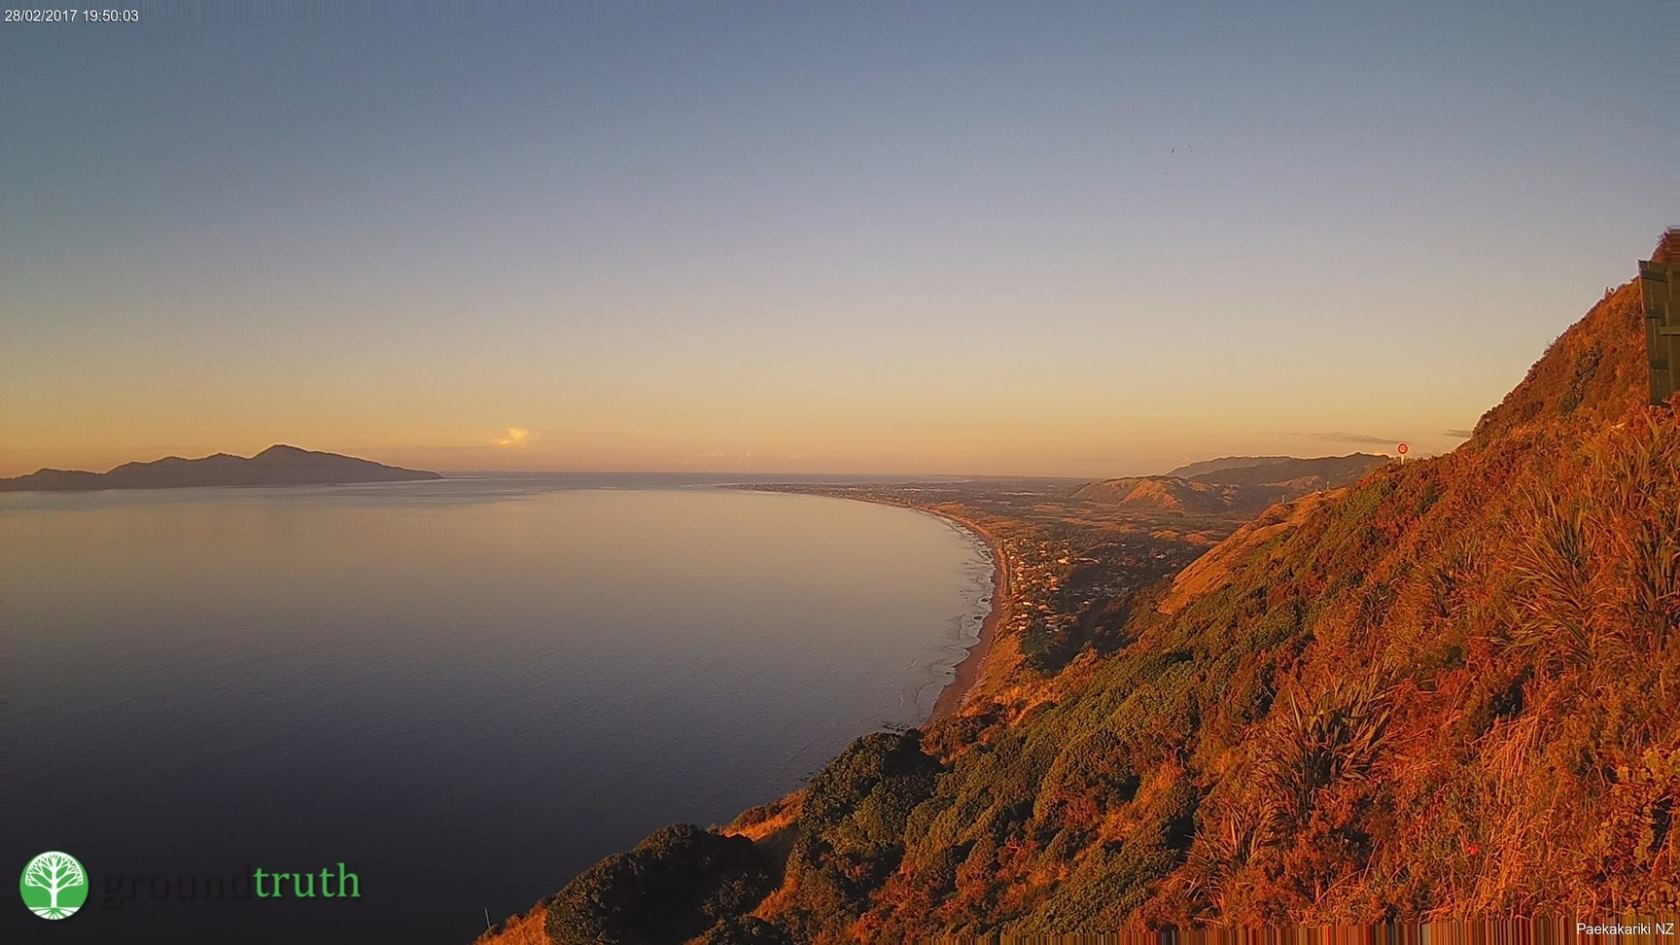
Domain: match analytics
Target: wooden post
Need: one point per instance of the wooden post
(1662, 317)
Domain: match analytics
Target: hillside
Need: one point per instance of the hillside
(1451, 689)
(276, 466)
(1170, 494)
(1230, 485)
(1324, 472)
(1214, 568)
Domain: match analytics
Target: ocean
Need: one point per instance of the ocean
(464, 691)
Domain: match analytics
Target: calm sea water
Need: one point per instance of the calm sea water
(464, 690)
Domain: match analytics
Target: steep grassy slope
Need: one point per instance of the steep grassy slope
(1451, 690)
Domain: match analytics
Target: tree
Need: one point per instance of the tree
(53, 872)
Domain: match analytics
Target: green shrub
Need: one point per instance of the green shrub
(672, 886)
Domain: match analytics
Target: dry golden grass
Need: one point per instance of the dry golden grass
(758, 823)
(524, 929)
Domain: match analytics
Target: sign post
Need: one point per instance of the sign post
(1402, 449)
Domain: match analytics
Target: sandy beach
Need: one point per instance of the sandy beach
(968, 670)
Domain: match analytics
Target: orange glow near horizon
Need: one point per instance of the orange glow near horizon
(940, 435)
(784, 400)
(997, 244)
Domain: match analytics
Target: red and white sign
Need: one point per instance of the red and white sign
(1403, 449)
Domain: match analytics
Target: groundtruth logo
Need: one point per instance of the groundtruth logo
(53, 885)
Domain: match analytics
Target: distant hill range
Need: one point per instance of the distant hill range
(1232, 483)
(276, 466)
(1325, 472)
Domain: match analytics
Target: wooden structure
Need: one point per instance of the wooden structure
(1662, 317)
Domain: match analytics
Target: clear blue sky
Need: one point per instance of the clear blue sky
(1071, 239)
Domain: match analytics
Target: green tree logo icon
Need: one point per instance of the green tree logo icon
(53, 885)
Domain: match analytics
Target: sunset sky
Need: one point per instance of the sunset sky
(1082, 240)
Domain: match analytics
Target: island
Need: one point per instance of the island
(279, 465)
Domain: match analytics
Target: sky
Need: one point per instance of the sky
(1064, 239)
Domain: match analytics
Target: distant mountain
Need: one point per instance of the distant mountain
(1324, 472)
(1227, 462)
(1232, 484)
(275, 466)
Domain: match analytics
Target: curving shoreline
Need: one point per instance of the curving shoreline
(968, 668)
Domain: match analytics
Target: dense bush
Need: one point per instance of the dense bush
(852, 830)
(672, 886)
(745, 930)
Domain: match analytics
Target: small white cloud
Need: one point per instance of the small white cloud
(517, 438)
